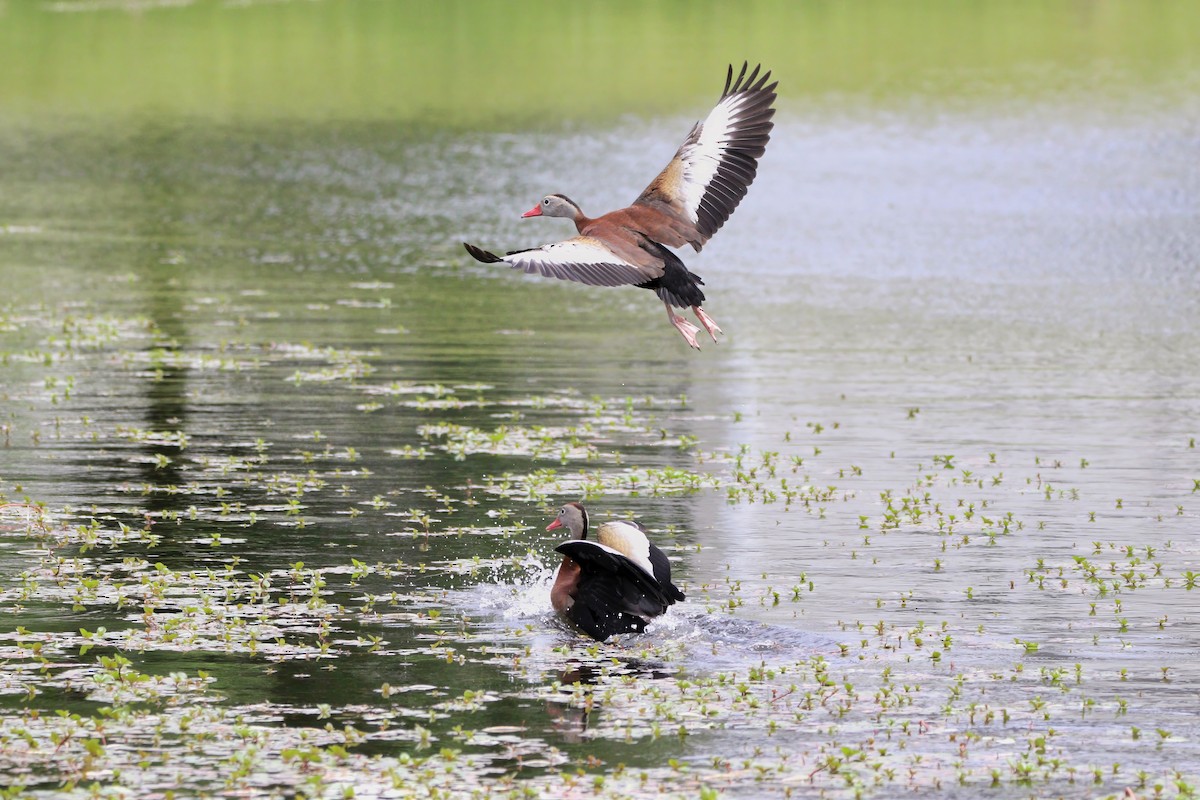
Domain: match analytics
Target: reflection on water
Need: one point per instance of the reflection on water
(935, 486)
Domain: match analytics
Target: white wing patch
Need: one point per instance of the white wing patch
(584, 259)
(718, 160)
(701, 158)
(629, 541)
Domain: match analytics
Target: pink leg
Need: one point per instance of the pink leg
(686, 328)
(708, 322)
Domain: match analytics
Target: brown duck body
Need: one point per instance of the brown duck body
(631, 224)
(566, 582)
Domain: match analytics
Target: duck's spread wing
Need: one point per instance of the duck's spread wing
(711, 172)
(584, 259)
(613, 595)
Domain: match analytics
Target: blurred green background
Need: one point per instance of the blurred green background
(474, 62)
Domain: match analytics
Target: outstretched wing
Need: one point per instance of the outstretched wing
(711, 172)
(584, 259)
(596, 609)
(613, 586)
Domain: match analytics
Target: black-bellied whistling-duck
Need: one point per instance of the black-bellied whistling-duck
(687, 203)
(614, 584)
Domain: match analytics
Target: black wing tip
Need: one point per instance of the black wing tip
(744, 84)
(479, 254)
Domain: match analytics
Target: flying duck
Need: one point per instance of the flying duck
(613, 584)
(687, 203)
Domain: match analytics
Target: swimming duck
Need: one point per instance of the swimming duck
(613, 584)
(687, 203)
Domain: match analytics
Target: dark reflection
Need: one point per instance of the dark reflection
(587, 672)
(579, 672)
(571, 719)
(159, 188)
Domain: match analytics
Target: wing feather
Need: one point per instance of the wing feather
(712, 170)
(639, 591)
(584, 259)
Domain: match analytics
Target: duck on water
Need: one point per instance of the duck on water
(615, 583)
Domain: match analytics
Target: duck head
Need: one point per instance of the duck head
(555, 205)
(573, 517)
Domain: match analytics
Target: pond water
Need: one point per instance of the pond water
(278, 455)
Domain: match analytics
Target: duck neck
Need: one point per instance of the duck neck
(580, 219)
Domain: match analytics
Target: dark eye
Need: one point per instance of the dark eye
(546, 201)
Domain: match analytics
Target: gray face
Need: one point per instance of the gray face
(571, 518)
(555, 205)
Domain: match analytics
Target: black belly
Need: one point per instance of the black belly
(677, 285)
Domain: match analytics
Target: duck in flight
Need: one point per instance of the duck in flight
(615, 583)
(687, 203)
